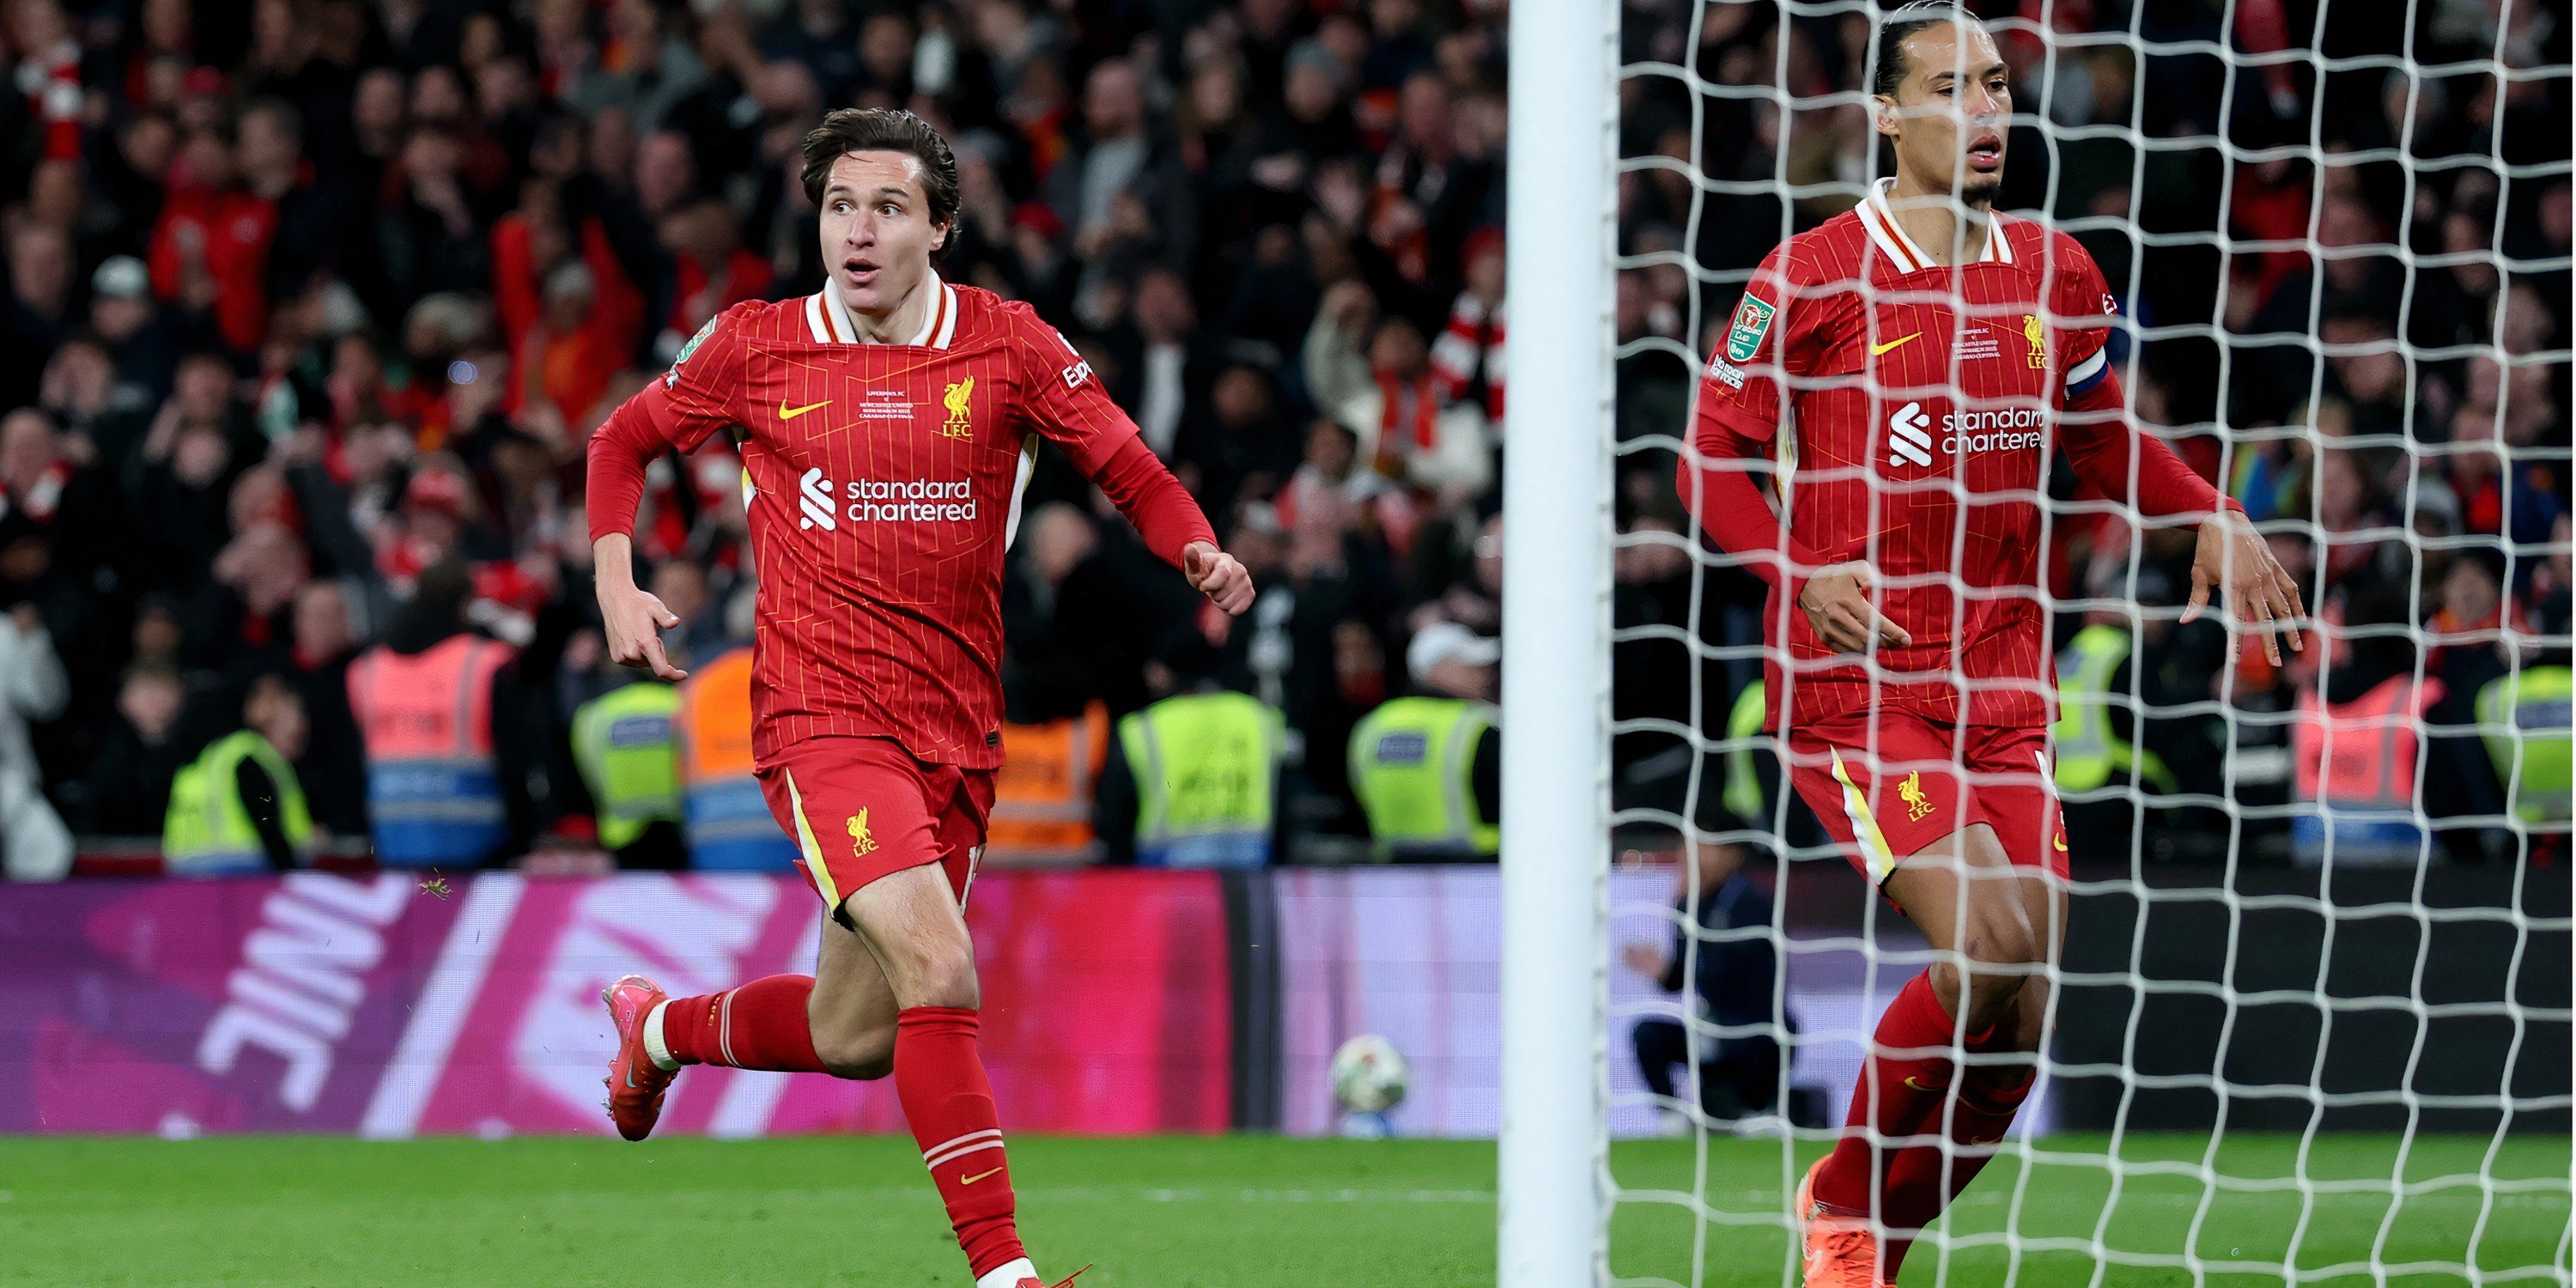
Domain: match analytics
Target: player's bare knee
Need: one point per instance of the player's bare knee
(1998, 957)
(943, 974)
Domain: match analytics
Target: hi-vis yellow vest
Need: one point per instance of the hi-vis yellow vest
(1413, 765)
(2089, 754)
(208, 830)
(1205, 765)
(623, 742)
(2524, 722)
(1743, 796)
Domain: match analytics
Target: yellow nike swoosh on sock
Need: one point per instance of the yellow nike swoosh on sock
(969, 1180)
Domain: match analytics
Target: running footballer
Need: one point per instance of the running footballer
(1900, 373)
(887, 424)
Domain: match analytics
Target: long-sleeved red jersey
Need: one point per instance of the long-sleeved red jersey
(883, 483)
(1925, 401)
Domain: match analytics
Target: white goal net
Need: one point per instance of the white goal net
(2311, 1022)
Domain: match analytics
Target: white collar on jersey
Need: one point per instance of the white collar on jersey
(1901, 250)
(829, 318)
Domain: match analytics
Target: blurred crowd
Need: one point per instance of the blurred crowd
(311, 304)
(307, 299)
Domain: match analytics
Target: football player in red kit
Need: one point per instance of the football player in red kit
(1929, 350)
(888, 423)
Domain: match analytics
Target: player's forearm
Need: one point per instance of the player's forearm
(620, 451)
(2104, 443)
(1136, 482)
(1718, 486)
(612, 561)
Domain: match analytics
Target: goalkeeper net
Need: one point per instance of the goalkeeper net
(2295, 1036)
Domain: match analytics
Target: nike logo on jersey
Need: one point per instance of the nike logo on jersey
(969, 1180)
(1877, 349)
(1919, 1085)
(786, 412)
(2061, 842)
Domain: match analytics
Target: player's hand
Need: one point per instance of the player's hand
(635, 620)
(2260, 591)
(1218, 575)
(1645, 959)
(1836, 600)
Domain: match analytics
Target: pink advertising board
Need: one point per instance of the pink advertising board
(381, 1007)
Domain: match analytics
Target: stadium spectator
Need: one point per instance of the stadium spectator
(238, 807)
(1731, 982)
(143, 342)
(1192, 779)
(446, 734)
(623, 743)
(333, 767)
(127, 789)
(34, 844)
(37, 311)
(722, 815)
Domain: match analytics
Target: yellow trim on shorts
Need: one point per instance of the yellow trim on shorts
(1873, 843)
(805, 842)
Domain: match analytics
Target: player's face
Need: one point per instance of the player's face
(876, 229)
(1949, 114)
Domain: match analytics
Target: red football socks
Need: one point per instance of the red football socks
(939, 1078)
(1901, 1088)
(760, 1025)
(1923, 1179)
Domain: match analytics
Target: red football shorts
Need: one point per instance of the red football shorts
(864, 808)
(1889, 787)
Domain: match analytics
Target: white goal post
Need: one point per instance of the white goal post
(1562, 211)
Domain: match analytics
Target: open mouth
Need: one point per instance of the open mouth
(859, 271)
(1986, 151)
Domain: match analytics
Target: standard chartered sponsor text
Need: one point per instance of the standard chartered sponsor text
(910, 500)
(1992, 429)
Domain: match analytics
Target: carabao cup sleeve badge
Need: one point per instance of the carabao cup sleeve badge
(1744, 334)
(672, 377)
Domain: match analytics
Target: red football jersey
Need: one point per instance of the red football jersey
(883, 485)
(1924, 401)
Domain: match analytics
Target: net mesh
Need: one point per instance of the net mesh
(2292, 1041)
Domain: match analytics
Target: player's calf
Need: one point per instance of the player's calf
(914, 930)
(860, 1050)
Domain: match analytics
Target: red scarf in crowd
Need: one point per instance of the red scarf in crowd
(1472, 338)
(1398, 404)
(51, 82)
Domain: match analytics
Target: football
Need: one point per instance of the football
(1369, 1075)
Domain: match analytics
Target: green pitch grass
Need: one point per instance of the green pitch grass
(1176, 1213)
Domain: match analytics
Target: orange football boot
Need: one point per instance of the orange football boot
(1841, 1250)
(635, 1083)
